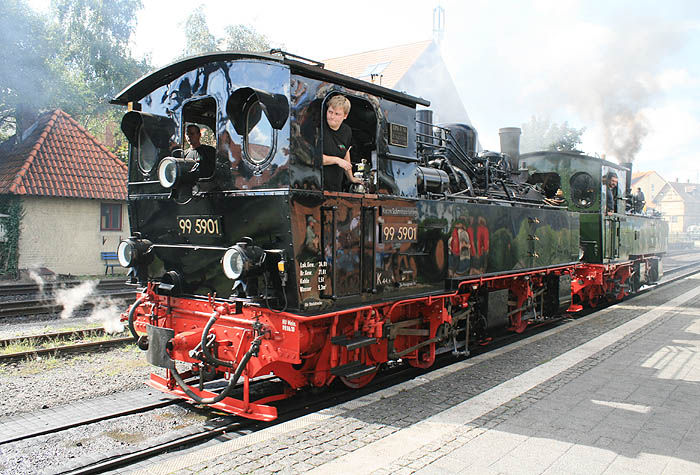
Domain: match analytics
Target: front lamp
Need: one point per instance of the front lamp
(133, 251)
(242, 260)
(175, 171)
(168, 172)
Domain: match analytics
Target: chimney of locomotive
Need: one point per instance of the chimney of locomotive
(510, 145)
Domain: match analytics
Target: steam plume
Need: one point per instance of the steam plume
(74, 297)
(108, 313)
(39, 282)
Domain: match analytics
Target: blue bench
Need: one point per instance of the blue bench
(108, 257)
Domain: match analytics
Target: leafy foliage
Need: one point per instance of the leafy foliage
(236, 37)
(11, 206)
(76, 58)
(541, 134)
(197, 35)
(27, 67)
(242, 38)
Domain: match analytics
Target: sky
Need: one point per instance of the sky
(626, 70)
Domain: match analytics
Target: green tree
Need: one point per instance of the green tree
(541, 134)
(75, 58)
(98, 62)
(243, 38)
(28, 72)
(198, 38)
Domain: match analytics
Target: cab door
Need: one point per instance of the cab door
(341, 239)
(611, 236)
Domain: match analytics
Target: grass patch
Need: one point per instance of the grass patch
(40, 365)
(126, 366)
(29, 345)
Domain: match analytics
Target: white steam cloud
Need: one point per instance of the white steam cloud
(39, 282)
(74, 297)
(104, 310)
(608, 78)
(108, 313)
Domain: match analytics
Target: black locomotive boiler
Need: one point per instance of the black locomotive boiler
(248, 266)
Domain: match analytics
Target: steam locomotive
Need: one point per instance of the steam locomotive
(248, 267)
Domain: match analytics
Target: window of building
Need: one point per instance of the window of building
(111, 217)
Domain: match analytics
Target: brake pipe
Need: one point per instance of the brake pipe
(254, 347)
(132, 312)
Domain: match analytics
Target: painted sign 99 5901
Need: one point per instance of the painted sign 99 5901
(399, 232)
(199, 225)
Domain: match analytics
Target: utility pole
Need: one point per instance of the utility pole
(438, 24)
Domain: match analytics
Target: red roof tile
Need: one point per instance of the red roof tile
(391, 63)
(59, 157)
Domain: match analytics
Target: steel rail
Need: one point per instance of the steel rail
(66, 349)
(35, 307)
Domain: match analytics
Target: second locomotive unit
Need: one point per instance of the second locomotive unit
(249, 265)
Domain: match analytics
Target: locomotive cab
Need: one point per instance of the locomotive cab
(362, 120)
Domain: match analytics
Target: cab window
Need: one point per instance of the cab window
(199, 134)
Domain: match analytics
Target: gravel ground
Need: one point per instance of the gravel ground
(55, 453)
(52, 382)
(49, 382)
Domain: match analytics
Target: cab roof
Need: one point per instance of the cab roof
(152, 81)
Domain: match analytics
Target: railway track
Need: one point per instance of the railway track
(62, 343)
(22, 308)
(48, 287)
(233, 427)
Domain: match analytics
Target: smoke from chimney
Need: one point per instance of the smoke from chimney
(606, 75)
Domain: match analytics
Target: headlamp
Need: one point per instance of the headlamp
(242, 260)
(134, 251)
(174, 171)
(234, 263)
(168, 172)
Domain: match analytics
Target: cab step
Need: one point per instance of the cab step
(357, 341)
(351, 370)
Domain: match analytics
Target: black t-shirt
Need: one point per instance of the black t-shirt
(205, 156)
(336, 143)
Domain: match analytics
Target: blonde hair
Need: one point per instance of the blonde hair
(339, 101)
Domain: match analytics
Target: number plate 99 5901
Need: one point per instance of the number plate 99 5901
(199, 225)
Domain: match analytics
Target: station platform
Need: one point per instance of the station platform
(616, 392)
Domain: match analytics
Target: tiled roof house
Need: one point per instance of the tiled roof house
(72, 192)
(416, 68)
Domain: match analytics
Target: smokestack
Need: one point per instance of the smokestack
(510, 144)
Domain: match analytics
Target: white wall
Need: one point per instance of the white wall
(63, 235)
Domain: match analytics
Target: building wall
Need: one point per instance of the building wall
(651, 184)
(63, 235)
(672, 207)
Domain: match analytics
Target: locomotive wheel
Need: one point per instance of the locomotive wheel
(361, 381)
(520, 327)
